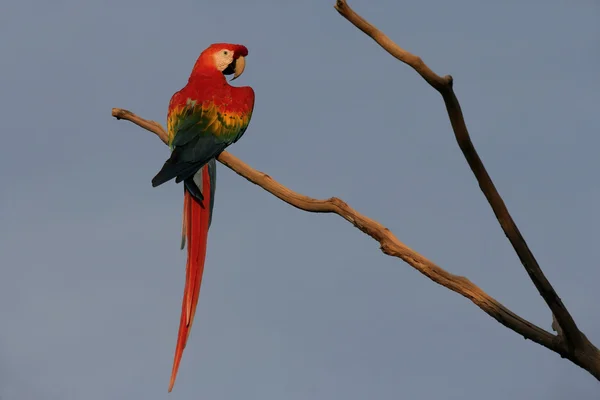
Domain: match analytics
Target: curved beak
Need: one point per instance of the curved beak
(240, 64)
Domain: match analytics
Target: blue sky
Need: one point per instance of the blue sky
(295, 305)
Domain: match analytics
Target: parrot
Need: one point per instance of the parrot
(203, 119)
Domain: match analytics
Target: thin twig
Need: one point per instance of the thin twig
(443, 85)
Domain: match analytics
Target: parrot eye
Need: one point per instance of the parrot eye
(225, 52)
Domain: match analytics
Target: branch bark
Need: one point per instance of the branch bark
(389, 243)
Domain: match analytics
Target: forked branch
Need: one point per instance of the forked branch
(570, 343)
(569, 334)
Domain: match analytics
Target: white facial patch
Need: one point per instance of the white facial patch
(223, 58)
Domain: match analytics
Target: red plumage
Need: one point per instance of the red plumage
(196, 220)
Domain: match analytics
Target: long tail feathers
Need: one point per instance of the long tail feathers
(196, 219)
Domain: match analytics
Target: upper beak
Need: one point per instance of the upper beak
(240, 64)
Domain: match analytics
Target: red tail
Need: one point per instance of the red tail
(195, 227)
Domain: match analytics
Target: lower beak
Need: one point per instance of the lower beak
(240, 64)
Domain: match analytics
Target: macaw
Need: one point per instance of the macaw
(204, 117)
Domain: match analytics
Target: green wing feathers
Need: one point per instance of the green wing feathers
(198, 132)
(205, 119)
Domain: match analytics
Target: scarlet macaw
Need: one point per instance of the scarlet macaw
(204, 117)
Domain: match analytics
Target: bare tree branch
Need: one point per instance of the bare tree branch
(443, 85)
(389, 244)
(570, 342)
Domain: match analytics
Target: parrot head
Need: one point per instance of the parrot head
(224, 57)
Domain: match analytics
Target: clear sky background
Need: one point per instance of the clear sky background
(295, 305)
